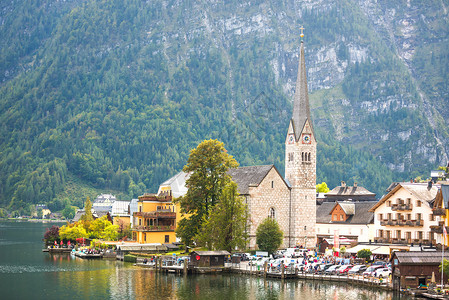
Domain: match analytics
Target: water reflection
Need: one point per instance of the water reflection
(26, 272)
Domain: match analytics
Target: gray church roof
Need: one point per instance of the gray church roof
(246, 176)
(301, 109)
(350, 191)
(361, 213)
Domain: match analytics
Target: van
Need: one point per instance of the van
(295, 252)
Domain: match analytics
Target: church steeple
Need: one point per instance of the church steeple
(301, 109)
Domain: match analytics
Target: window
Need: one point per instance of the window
(272, 184)
(309, 157)
(302, 155)
(380, 217)
(140, 208)
(334, 217)
(409, 217)
(381, 233)
(167, 239)
(418, 203)
(431, 217)
(418, 216)
(389, 216)
(341, 217)
(388, 203)
(398, 234)
(145, 237)
(408, 235)
(140, 222)
(409, 201)
(290, 156)
(272, 213)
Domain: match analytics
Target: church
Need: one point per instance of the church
(289, 199)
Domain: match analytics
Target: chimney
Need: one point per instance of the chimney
(355, 184)
(343, 184)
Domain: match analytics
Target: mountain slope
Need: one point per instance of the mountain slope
(117, 92)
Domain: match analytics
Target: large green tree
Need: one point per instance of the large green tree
(269, 235)
(87, 211)
(207, 165)
(225, 228)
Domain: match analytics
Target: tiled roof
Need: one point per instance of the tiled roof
(420, 191)
(209, 253)
(348, 207)
(350, 191)
(361, 215)
(420, 258)
(246, 176)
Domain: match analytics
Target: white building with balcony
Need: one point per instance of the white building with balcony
(404, 215)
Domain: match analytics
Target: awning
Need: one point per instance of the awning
(382, 250)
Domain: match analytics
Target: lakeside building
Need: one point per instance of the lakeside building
(441, 210)
(104, 202)
(155, 220)
(345, 219)
(404, 215)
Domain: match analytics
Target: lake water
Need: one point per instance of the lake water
(28, 273)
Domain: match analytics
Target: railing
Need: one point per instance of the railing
(161, 214)
(401, 207)
(439, 211)
(154, 228)
(403, 241)
(438, 229)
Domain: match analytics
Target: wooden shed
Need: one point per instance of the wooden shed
(208, 259)
(411, 269)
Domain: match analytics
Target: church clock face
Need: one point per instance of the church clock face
(291, 139)
(306, 139)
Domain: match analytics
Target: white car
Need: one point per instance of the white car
(382, 272)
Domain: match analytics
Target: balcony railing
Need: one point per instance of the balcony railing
(154, 228)
(439, 211)
(401, 207)
(158, 214)
(412, 223)
(403, 241)
(438, 229)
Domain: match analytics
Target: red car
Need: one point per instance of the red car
(344, 269)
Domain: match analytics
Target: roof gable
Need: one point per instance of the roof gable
(420, 191)
(251, 176)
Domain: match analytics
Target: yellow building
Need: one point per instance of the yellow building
(155, 220)
(441, 208)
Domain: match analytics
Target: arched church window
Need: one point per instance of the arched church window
(272, 213)
(309, 157)
(302, 154)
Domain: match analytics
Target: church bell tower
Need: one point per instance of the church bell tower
(300, 164)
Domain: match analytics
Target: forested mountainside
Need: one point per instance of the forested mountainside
(111, 95)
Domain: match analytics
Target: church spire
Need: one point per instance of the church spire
(301, 110)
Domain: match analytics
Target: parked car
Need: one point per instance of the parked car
(382, 272)
(357, 269)
(323, 267)
(343, 269)
(380, 263)
(370, 271)
(331, 269)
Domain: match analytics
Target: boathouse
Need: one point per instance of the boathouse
(411, 269)
(208, 259)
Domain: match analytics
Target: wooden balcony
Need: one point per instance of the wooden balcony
(159, 214)
(404, 241)
(438, 229)
(154, 228)
(411, 223)
(402, 207)
(439, 211)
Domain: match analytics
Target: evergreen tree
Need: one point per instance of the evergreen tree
(269, 235)
(87, 211)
